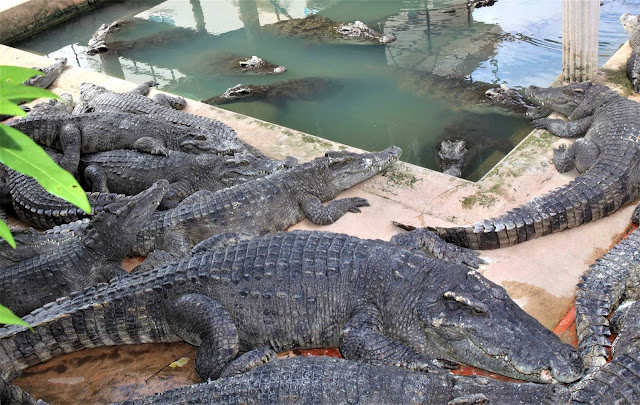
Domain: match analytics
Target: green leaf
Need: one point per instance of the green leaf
(15, 75)
(20, 153)
(5, 234)
(9, 318)
(13, 92)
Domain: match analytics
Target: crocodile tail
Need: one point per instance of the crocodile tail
(590, 196)
(615, 382)
(600, 290)
(107, 315)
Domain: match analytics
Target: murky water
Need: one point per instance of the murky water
(377, 95)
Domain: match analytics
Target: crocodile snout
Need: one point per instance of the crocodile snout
(566, 366)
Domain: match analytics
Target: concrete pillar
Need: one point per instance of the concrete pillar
(580, 39)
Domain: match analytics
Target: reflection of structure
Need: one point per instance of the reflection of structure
(444, 42)
(198, 15)
(580, 39)
(248, 10)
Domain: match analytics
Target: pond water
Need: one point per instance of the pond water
(379, 95)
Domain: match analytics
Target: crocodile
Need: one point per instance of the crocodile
(267, 204)
(315, 28)
(452, 156)
(96, 132)
(610, 280)
(30, 242)
(129, 172)
(616, 382)
(230, 63)
(44, 80)
(379, 303)
(611, 126)
(86, 261)
(62, 105)
(311, 380)
(474, 96)
(631, 24)
(288, 90)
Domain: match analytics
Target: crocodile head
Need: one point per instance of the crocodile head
(242, 168)
(338, 171)
(113, 231)
(258, 65)
(561, 99)
(200, 142)
(631, 24)
(472, 320)
(513, 102)
(360, 31)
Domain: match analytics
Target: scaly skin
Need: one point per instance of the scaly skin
(616, 382)
(129, 172)
(380, 304)
(313, 380)
(30, 242)
(12, 395)
(93, 258)
(268, 204)
(96, 132)
(602, 287)
(611, 181)
(631, 24)
(35, 206)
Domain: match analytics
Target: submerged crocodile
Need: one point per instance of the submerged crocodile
(452, 156)
(91, 259)
(631, 24)
(311, 380)
(95, 132)
(474, 96)
(267, 204)
(611, 128)
(129, 172)
(617, 382)
(320, 29)
(48, 76)
(610, 280)
(288, 90)
(379, 303)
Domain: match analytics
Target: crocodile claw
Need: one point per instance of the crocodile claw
(540, 123)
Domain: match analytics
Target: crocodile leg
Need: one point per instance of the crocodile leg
(177, 103)
(220, 240)
(586, 154)
(564, 159)
(202, 321)
(424, 240)
(150, 145)
(178, 191)
(362, 340)
(71, 140)
(327, 214)
(633, 69)
(142, 88)
(97, 179)
(249, 361)
(562, 128)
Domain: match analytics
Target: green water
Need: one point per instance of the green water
(380, 95)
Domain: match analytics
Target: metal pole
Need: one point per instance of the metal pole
(580, 39)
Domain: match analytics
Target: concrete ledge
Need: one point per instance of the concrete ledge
(20, 19)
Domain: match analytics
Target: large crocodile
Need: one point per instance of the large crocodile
(288, 90)
(379, 303)
(95, 132)
(631, 24)
(611, 179)
(268, 204)
(93, 258)
(129, 172)
(617, 382)
(313, 380)
(610, 280)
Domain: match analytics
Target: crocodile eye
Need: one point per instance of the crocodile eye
(479, 312)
